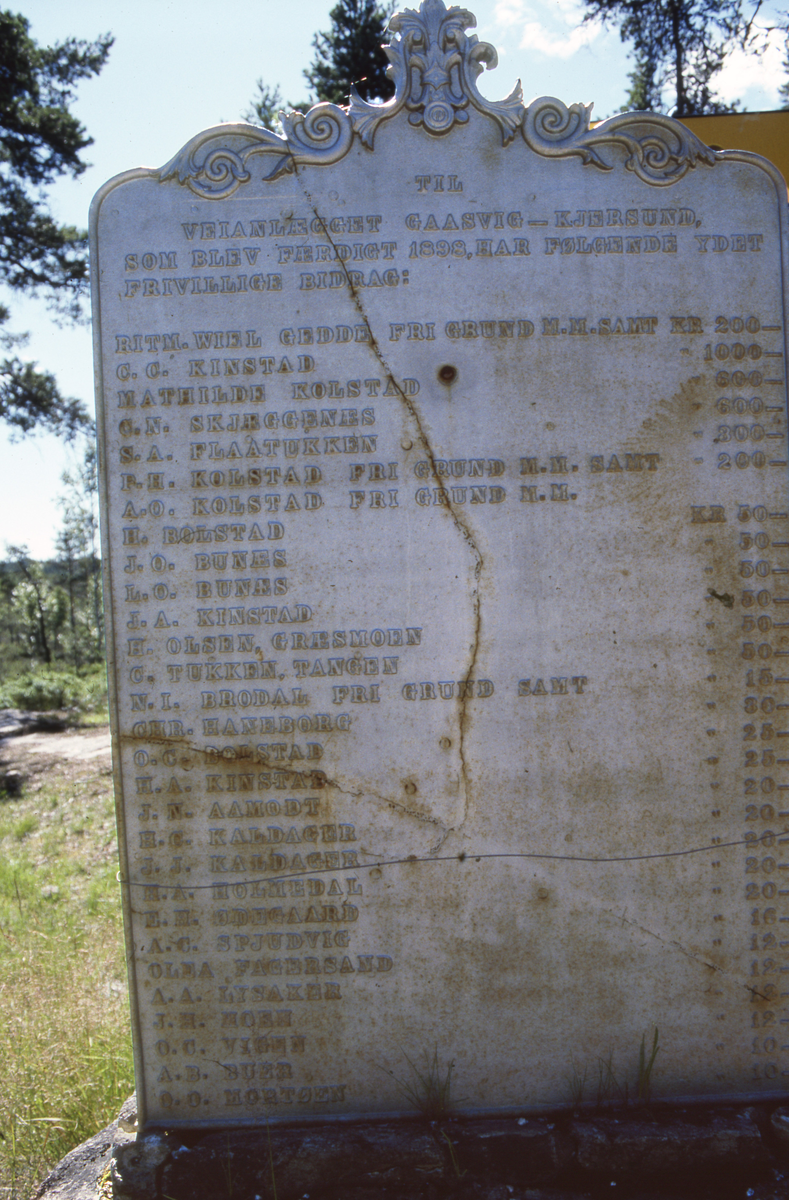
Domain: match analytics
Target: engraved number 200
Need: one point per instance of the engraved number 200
(742, 460)
(737, 324)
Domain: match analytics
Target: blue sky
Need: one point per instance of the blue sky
(181, 65)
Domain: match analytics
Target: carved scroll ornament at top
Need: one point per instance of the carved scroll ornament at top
(215, 162)
(660, 149)
(434, 66)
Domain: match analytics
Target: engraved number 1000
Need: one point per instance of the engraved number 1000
(736, 350)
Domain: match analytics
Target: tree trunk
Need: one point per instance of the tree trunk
(676, 41)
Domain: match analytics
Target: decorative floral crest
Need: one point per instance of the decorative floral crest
(434, 65)
(660, 150)
(216, 161)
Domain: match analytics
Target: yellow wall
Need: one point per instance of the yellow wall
(765, 133)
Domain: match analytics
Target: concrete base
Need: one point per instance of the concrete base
(724, 1153)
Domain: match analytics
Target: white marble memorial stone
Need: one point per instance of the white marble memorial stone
(447, 561)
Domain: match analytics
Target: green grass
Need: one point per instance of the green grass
(646, 1063)
(65, 1052)
(609, 1089)
(428, 1089)
(575, 1081)
(28, 824)
(607, 1084)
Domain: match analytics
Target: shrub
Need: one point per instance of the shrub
(48, 688)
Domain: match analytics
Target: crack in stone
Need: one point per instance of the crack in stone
(380, 860)
(688, 954)
(396, 804)
(320, 779)
(254, 757)
(457, 519)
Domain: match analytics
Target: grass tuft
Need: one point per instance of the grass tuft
(430, 1086)
(455, 1164)
(607, 1083)
(645, 1065)
(576, 1081)
(609, 1088)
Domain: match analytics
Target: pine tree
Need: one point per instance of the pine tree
(78, 565)
(40, 140)
(645, 89)
(350, 53)
(265, 108)
(680, 46)
(39, 607)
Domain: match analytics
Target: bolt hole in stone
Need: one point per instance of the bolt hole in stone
(445, 743)
(409, 787)
(542, 893)
(447, 374)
